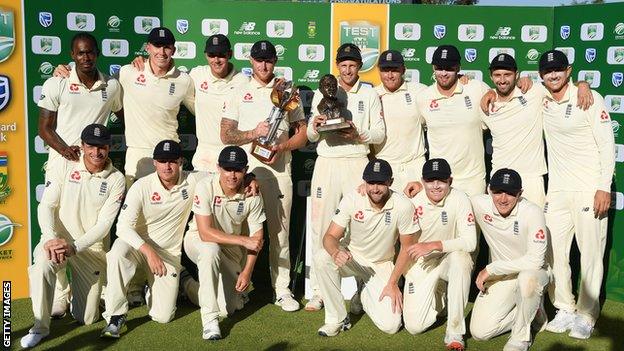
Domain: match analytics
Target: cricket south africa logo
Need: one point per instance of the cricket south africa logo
(7, 34)
(6, 229)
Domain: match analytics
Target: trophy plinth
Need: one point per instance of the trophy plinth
(333, 124)
(262, 152)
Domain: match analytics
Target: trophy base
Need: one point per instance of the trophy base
(332, 127)
(262, 152)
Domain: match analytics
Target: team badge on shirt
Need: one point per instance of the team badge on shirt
(516, 228)
(540, 236)
(185, 194)
(361, 106)
(103, 188)
(523, 100)
(248, 98)
(434, 106)
(104, 95)
(418, 212)
(568, 112)
(359, 216)
(140, 80)
(604, 116)
(203, 86)
(408, 98)
(444, 217)
(217, 201)
(470, 219)
(196, 200)
(74, 89)
(74, 177)
(155, 198)
(468, 102)
(487, 218)
(171, 88)
(388, 218)
(240, 208)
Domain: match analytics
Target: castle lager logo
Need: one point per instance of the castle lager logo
(7, 34)
(366, 36)
(6, 229)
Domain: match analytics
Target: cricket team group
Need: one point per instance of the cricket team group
(400, 213)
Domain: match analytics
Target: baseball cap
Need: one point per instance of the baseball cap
(167, 150)
(390, 59)
(377, 170)
(446, 56)
(436, 168)
(553, 59)
(217, 44)
(506, 180)
(233, 157)
(503, 61)
(263, 49)
(161, 36)
(96, 134)
(348, 51)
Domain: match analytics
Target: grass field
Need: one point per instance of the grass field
(263, 326)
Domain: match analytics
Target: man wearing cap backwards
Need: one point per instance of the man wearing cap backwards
(76, 212)
(341, 155)
(150, 228)
(375, 221)
(244, 120)
(404, 146)
(581, 156)
(512, 284)
(215, 239)
(66, 107)
(442, 255)
(515, 121)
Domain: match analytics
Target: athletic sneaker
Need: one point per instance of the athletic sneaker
(113, 329)
(331, 329)
(562, 322)
(454, 342)
(314, 304)
(355, 307)
(516, 345)
(59, 309)
(31, 339)
(581, 328)
(287, 303)
(212, 331)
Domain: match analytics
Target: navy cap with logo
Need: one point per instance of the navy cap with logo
(263, 49)
(233, 157)
(167, 150)
(391, 59)
(377, 170)
(217, 44)
(161, 36)
(446, 56)
(348, 51)
(96, 134)
(553, 59)
(436, 168)
(503, 61)
(506, 180)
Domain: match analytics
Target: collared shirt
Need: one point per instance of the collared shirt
(517, 132)
(405, 140)
(362, 107)
(373, 233)
(450, 221)
(77, 106)
(517, 242)
(454, 127)
(251, 104)
(151, 104)
(229, 213)
(580, 144)
(156, 215)
(86, 203)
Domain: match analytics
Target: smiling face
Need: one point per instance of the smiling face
(392, 77)
(446, 77)
(95, 156)
(437, 189)
(378, 192)
(556, 80)
(504, 202)
(168, 170)
(160, 56)
(504, 80)
(263, 69)
(219, 63)
(231, 179)
(348, 71)
(84, 53)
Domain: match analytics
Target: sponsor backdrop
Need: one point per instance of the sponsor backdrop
(306, 36)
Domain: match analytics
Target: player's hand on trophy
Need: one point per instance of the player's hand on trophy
(318, 121)
(487, 101)
(262, 129)
(585, 97)
(524, 83)
(139, 63)
(396, 298)
(350, 133)
(155, 263)
(481, 279)
(71, 153)
(341, 257)
(62, 71)
(412, 188)
(602, 201)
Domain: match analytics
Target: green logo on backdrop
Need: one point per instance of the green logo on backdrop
(408, 31)
(113, 22)
(311, 52)
(246, 50)
(147, 24)
(81, 21)
(279, 72)
(619, 55)
(7, 34)
(471, 32)
(619, 29)
(6, 229)
(45, 44)
(534, 33)
(532, 54)
(214, 27)
(182, 49)
(592, 31)
(366, 36)
(589, 77)
(311, 29)
(46, 68)
(115, 47)
(616, 103)
(279, 28)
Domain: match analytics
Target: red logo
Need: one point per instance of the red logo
(359, 215)
(540, 235)
(546, 104)
(204, 85)
(487, 217)
(418, 212)
(217, 201)
(433, 104)
(604, 116)
(470, 218)
(141, 78)
(155, 197)
(75, 175)
(73, 87)
(196, 200)
(248, 97)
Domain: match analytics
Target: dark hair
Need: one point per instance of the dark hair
(85, 36)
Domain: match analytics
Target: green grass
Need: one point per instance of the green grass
(263, 326)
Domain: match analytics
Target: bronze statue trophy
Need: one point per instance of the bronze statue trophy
(285, 97)
(330, 106)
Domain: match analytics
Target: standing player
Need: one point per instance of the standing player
(244, 120)
(442, 255)
(341, 155)
(512, 285)
(76, 212)
(375, 221)
(404, 146)
(581, 156)
(215, 239)
(66, 107)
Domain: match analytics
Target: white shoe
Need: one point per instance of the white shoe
(314, 304)
(516, 345)
(287, 303)
(212, 331)
(454, 342)
(59, 309)
(31, 339)
(355, 307)
(581, 328)
(334, 329)
(562, 322)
